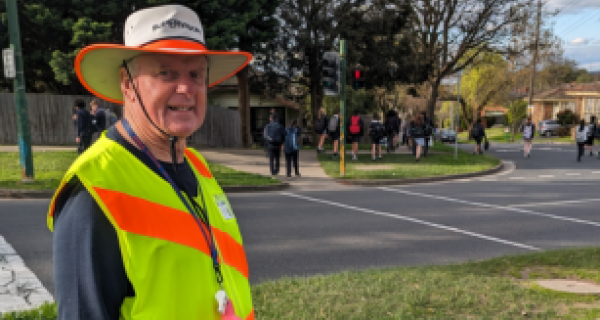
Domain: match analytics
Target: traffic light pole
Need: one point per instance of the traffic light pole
(342, 107)
(24, 134)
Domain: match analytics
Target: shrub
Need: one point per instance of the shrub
(566, 117)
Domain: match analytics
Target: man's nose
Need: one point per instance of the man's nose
(186, 85)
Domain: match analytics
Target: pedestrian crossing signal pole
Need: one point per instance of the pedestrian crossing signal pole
(342, 107)
(13, 64)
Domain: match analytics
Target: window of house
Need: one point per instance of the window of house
(591, 108)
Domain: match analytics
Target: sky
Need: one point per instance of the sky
(578, 25)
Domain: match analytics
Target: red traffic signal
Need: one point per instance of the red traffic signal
(358, 81)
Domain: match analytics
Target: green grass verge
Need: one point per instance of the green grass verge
(50, 167)
(498, 135)
(500, 288)
(400, 166)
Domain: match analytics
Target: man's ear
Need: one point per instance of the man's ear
(126, 87)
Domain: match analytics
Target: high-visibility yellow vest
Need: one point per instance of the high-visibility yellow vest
(165, 255)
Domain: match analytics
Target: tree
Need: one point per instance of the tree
(585, 77)
(517, 111)
(54, 31)
(451, 34)
(309, 28)
(262, 28)
(487, 81)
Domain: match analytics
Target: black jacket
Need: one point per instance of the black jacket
(84, 123)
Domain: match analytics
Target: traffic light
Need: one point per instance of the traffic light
(358, 79)
(330, 71)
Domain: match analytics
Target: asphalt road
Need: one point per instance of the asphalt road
(545, 202)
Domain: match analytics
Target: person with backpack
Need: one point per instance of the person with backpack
(428, 132)
(392, 129)
(84, 127)
(321, 129)
(419, 134)
(333, 126)
(478, 133)
(528, 134)
(592, 129)
(274, 136)
(100, 119)
(355, 132)
(291, 148)
(581, 136)
(376, 131)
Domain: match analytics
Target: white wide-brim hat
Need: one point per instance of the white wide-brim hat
(170, 29)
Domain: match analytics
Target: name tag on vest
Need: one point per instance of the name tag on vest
(224, 207)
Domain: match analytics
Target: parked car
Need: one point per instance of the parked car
(445, 135)
(548, 128)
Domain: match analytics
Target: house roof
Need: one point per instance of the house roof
(569, 91)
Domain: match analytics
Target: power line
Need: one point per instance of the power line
(578, 23)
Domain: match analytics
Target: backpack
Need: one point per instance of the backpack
(355, 125)
(581, 135)
(417, 131)
(591, 130)
(333, 122)
(319, 124)
(475, 131)
(274, 133)
(292, 142)
(378, 131)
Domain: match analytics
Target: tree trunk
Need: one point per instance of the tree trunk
(244, 107)
(316, 93)
(435, 86)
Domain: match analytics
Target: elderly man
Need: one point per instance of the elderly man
(142, 229)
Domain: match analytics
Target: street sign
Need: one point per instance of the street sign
(8, 56)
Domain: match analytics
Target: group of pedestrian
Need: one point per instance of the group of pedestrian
(417, 133)
(277, 138)
(90, 124)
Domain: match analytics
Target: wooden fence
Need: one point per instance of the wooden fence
(51, 122)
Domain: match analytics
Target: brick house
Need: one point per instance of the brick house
(582, 99)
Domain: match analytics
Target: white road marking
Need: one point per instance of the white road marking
(554, 203)
(400, 217)
(546, 176)
(573, 174)
(20, 289)
(596, 172)
(516, 178)
(492, 206)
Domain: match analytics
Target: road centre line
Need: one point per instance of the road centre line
(492, 206)
(516, 178)
(546, 176)
(400, 217)
(596, 172)
(573, 174)
(554, 203)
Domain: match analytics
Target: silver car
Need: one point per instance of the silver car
(445, 135)
(548, 128)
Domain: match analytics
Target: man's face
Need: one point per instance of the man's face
(94, 107)
(173, 90)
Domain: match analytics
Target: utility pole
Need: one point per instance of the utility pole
(535, 55)
(24, 134)
(342, 78)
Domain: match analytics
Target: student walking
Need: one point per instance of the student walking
(428, 132)
(355, 129)
(376, 132)
(581, 136)
(392, 129)
(291, 148)
(404, 136)
(528, 134)
(418, 133)
(321, 129)
(478, 133)
(274, 135)
(333, 127)
(592, 129)
(84, 127)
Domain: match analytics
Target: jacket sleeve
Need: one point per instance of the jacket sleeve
(265, 132)
(89, 275)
